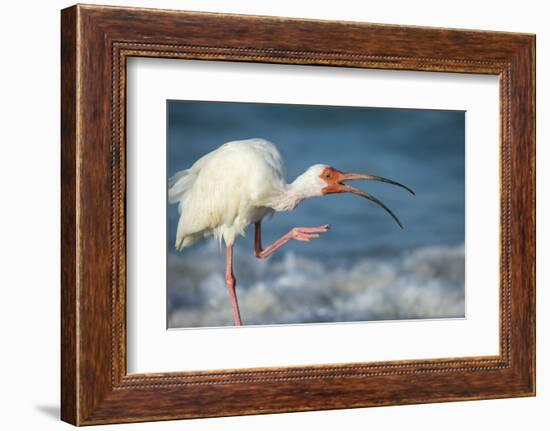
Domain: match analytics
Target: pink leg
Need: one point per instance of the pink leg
(298, 233)
(231, 283)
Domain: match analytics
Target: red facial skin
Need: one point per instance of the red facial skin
(334, 179)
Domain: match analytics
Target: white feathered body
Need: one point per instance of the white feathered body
(229, 188)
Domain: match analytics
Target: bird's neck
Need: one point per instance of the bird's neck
(292, 195)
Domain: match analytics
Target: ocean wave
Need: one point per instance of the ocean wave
(426, 282)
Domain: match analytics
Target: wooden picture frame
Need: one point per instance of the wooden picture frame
(95, 43)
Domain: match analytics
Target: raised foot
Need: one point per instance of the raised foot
(307, 233)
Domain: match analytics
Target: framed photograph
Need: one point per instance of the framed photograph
(323, 214)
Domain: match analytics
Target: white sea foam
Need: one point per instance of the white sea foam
(424, 283)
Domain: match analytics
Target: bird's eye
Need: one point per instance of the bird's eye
(327, 175)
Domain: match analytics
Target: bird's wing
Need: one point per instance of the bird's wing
(220, 193)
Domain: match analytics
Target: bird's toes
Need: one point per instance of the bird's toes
(320, 229)
(306, 236)
(307, 233)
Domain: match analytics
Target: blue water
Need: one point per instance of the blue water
(423, 149)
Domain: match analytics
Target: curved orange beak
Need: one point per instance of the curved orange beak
(336, 184)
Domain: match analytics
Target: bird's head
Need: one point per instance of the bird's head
(320, 180)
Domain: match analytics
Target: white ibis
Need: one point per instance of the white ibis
(240, 183)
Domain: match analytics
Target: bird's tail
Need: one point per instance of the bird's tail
(179, 184)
